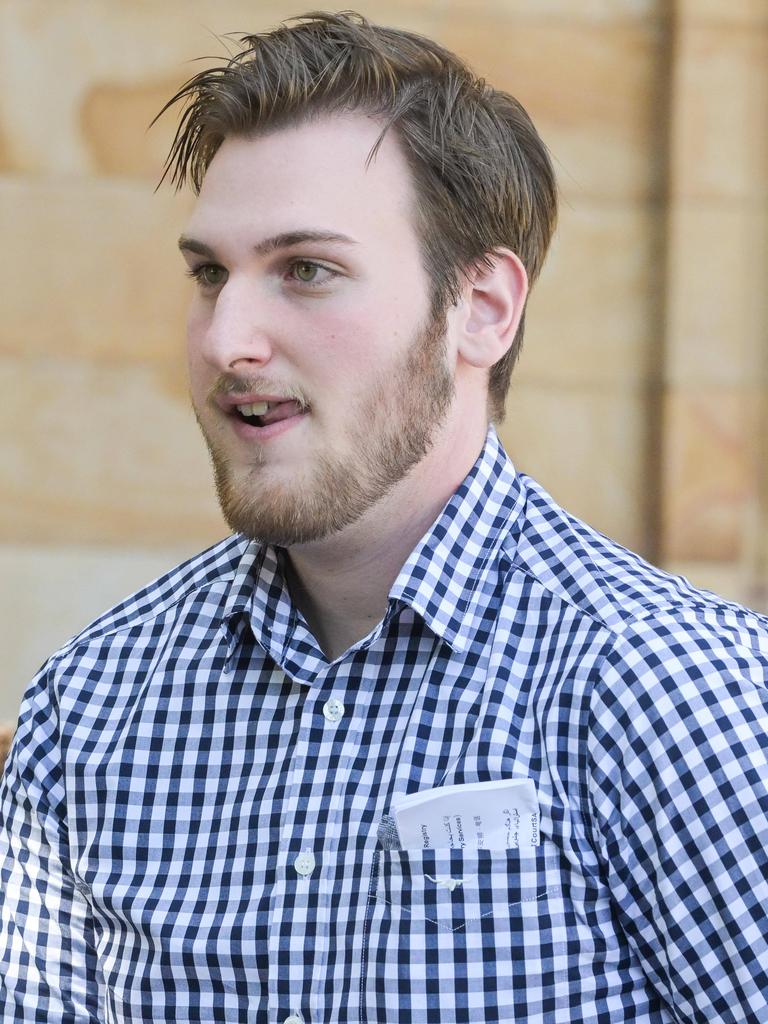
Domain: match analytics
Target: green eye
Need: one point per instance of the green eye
(212, 275)
(306, 271)
(208, 275)
(310, 273)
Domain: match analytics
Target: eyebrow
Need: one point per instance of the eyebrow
(282, 241)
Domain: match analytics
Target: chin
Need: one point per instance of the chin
(272, 513)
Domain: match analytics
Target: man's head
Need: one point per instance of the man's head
(311, 297)
(481, 174)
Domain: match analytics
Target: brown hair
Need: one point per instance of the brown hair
(482, 175)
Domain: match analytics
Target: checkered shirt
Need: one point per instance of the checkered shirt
(196, 815)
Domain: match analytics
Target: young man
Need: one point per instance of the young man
(204, 814)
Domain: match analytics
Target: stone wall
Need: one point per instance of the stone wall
(639, 401)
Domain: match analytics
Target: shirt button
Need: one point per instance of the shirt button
(293, 1019)
(305, 865)
(333, 710)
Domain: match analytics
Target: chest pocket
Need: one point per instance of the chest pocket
(463, 936)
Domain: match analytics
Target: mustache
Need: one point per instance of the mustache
(231, 384)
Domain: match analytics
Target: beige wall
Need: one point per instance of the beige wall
(640, 398)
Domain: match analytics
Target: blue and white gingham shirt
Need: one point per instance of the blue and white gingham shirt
(191, 815)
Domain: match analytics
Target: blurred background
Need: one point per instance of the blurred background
(641, 399)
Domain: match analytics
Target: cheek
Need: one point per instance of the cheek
(198, 371)
(197, 323)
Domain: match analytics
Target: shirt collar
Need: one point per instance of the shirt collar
(241, 594)
(442, 580)
(446, 577)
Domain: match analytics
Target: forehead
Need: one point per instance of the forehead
(314, 174)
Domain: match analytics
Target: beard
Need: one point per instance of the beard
(390, 429)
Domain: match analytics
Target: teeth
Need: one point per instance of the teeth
(255, 409)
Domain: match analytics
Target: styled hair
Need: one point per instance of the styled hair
(482, 175)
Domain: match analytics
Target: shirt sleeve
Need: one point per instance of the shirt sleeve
(48, 968)
(679, 776)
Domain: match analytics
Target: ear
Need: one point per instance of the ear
(494, 299)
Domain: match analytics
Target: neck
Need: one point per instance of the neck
(341, 583)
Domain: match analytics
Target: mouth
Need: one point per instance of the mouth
(265, 413)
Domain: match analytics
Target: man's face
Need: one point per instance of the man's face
(317, 376)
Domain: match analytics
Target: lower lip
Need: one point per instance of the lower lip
(248, 432)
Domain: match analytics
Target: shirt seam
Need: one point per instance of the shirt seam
(86, 637)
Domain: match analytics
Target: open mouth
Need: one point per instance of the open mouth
(262, 414)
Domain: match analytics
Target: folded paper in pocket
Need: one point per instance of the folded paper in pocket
(499, 815)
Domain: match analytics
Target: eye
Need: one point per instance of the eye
(310, 273)
(306, 271)
(208, 275)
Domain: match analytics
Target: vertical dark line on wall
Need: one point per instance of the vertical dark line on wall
(663, 103)
(759, 587)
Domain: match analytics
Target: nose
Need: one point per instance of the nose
(235, 328)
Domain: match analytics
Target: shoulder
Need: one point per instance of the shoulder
(673, 676)
(104, 663)
(644, 610)
(195, 589)
(649, 650)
